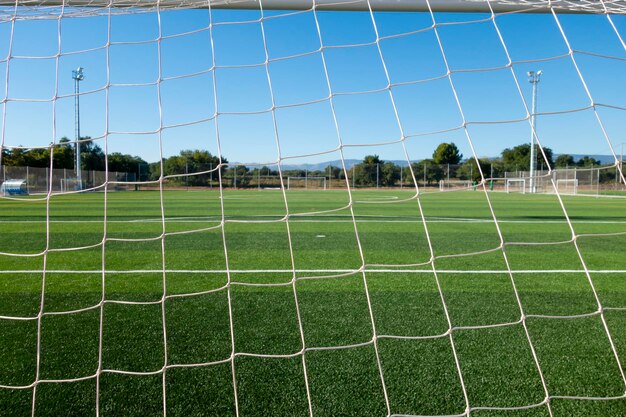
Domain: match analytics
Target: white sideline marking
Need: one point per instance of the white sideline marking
(326, 271)
(320, 219)
(234, 197)
(387, 197)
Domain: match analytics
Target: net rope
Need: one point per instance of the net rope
(428, 267)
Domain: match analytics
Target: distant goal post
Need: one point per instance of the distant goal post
(70, 184)
(567, 186)
(516, 185)
(306, 183)
(448, 185)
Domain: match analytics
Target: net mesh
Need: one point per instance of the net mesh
(211, 35)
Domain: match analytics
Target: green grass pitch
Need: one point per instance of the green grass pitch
(192, 333)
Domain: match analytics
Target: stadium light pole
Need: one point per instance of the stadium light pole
(77, 76)
(533, 78)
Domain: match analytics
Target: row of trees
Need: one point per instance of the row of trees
(567, 161)
(446, 161)
(64, 156)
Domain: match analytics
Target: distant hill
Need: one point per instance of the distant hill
(604, 159)
(337, 163)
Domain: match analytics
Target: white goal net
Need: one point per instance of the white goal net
(188, 291)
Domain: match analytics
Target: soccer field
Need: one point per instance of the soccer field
(134, 302)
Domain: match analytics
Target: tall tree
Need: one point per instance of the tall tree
(92, 156)
(427, 169)
(38, 157)
(564, 160)
(194, 162)
(63, 154)
(368, 172)
(334, 172)
(265, 171)
(447, 153)
(128, 163)
(469, 170)
(389, 174)
(240, 175)
(587, 161)
(518, 157)
(15, 157)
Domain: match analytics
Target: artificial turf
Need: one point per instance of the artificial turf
(153, 252)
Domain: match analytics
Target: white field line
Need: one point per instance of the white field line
(319, 219)
(314, 271)
(380, 198)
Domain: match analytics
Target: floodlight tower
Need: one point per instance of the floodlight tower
(77, 76)
(533, 78)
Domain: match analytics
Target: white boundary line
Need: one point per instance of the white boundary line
(324, 271)
(380, 198)
(319, 219)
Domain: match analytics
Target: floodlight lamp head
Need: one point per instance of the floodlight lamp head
(533, 77)
(78, 74)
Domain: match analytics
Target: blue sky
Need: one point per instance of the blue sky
(365, 120)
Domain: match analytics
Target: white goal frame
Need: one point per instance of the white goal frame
(72, 182)
(462, 6)
(513, 180)
(446, 185)
(276, 147)
(573, 181)
(306, 182)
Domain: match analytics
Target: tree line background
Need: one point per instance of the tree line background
(446, 162)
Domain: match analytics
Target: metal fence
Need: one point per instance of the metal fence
(40, 180)
(430, 176)
(574, 180)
